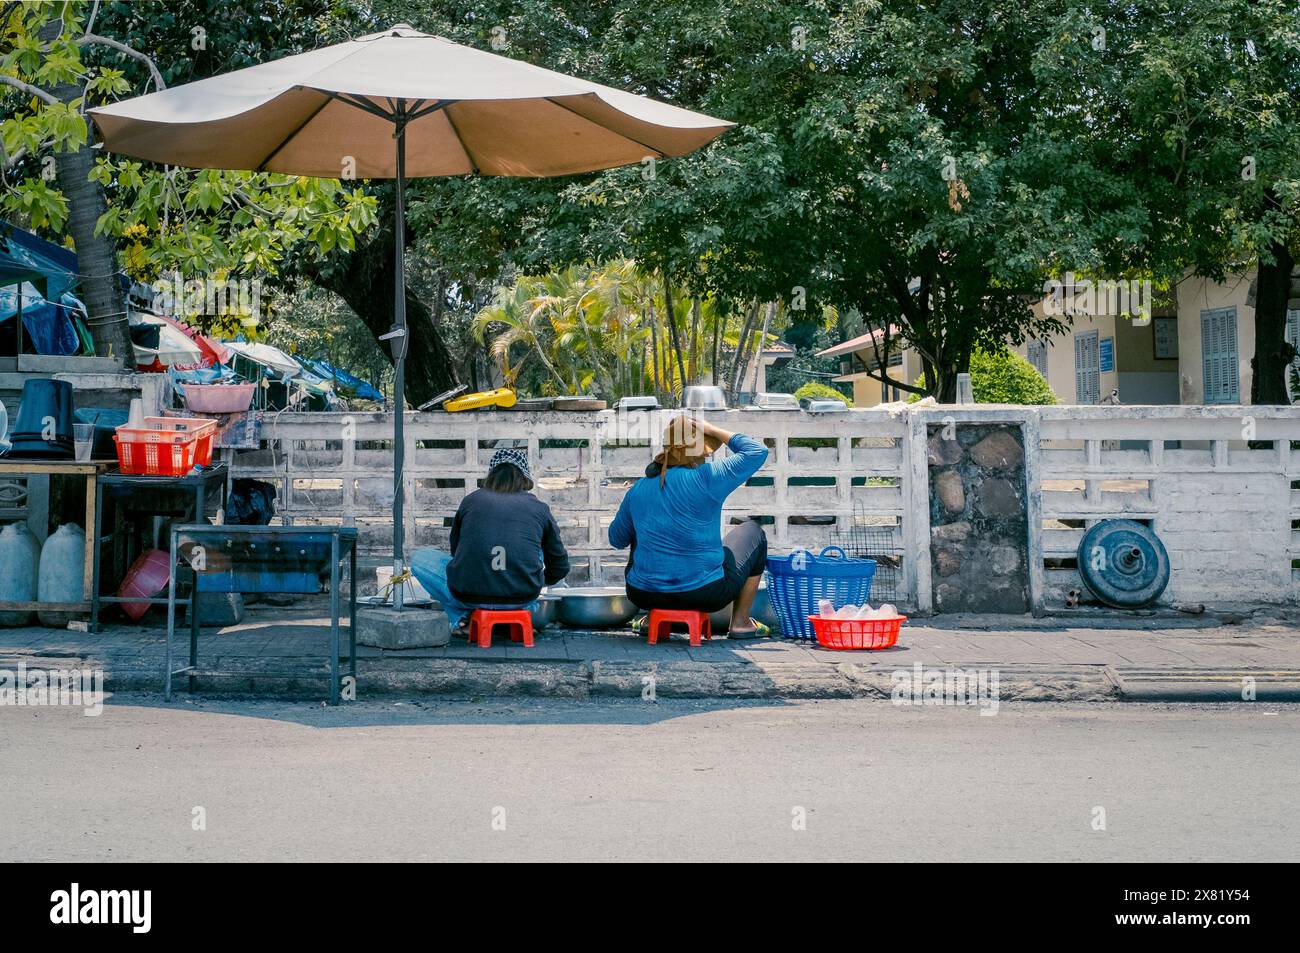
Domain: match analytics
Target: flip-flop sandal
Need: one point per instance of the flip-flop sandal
(759, 631)
(639, 624)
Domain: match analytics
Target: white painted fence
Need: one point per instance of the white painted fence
(1225, 512)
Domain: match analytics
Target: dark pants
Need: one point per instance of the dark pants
(744, 555)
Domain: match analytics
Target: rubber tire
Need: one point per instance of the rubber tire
(1133, 569)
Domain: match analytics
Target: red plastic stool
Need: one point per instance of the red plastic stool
(519, 620)
(661, 622)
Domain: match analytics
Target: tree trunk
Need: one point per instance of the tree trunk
(672, 329)
(944, 377)
(747, 349)
(1270, 367)
(357, 278)
(693, 364)
(762, 340)
(737, 360)
(654, 352)
(96, 254)
(945, 389)
(719, 318)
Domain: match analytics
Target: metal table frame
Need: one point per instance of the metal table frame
(135, 483)
(341, 538)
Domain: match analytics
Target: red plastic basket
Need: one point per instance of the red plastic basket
(856, 633)
(165, 446)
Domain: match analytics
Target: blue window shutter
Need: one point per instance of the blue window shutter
(1087, 367)
(1209, 357)
(1219, 356)
(1233, 370)
(1037, 352)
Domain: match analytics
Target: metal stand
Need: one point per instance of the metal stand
(125, 485)
(300, 565)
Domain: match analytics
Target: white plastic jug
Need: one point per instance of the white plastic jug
(62, 573)
(20, 554)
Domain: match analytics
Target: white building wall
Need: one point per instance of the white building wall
(1200, 294)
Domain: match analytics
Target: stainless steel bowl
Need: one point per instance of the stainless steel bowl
(594, 607)
(545, 611)
(703, 397)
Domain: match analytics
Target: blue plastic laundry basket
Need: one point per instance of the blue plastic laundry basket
(798, 582)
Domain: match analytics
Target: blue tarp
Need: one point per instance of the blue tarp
(47, 326)
(345, 383)
(43, 274)
(27, 257)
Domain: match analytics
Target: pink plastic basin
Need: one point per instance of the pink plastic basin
(219, 398)
(146, 578)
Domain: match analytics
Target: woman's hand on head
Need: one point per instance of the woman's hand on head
(717, 433)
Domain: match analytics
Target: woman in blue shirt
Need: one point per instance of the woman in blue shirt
(672, 520)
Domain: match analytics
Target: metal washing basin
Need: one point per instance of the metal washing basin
(594, 607)
(545, 611)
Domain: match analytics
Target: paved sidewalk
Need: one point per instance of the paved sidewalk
(1098, 656)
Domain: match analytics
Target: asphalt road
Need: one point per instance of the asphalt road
(641, 781)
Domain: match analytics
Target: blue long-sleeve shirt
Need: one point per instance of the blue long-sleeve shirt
(676, 530)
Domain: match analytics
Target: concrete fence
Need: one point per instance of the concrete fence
(864, 479)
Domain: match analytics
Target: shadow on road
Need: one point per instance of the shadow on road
(447, 710)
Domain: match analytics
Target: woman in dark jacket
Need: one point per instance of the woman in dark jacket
(505, 546)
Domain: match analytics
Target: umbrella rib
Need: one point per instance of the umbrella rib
(473, 163)
(297, 129)
(418, 113)
(658, 153)
(438, 104)
(358, 103)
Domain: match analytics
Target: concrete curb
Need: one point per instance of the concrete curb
(252, 676)
(1208, 685)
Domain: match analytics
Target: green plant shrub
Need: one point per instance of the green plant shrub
(1003, 377)
(818, 389)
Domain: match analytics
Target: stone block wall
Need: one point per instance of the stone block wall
(978, 517)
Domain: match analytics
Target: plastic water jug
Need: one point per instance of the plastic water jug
(62, 573)
(19, 555)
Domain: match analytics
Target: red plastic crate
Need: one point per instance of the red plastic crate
(856, 633)
(165, 446)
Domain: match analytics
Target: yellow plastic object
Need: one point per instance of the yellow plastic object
(501, 397)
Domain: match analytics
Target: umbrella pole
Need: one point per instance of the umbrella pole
(399, 354)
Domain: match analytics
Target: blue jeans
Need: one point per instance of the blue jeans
(429, 567)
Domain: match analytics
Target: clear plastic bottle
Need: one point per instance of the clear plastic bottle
(20, 555)
(62, 573)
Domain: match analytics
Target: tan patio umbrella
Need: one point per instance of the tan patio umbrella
(392, 105)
